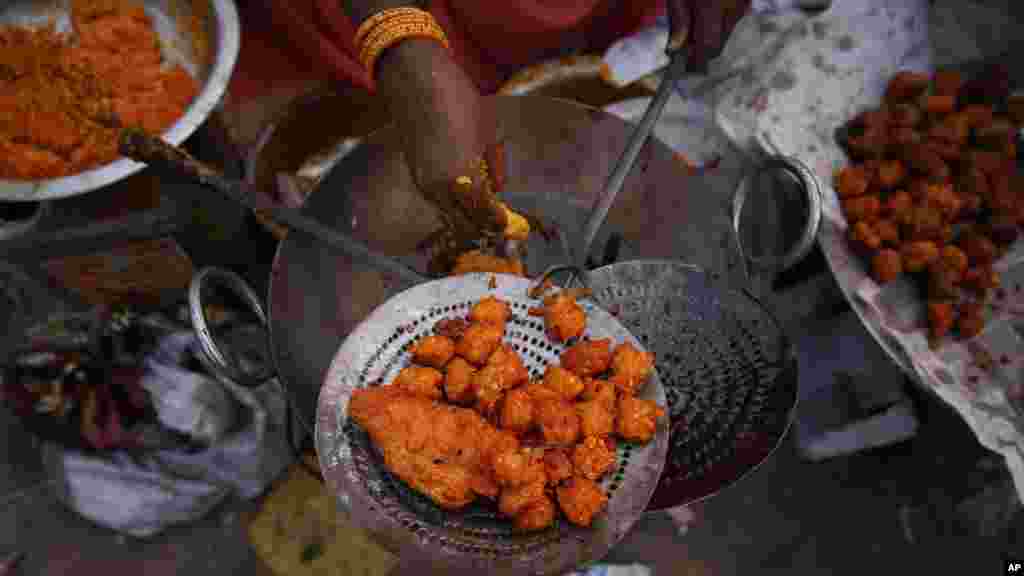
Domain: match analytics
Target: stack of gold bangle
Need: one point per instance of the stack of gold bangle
(389, 27)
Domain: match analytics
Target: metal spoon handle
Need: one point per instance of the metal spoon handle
(625, 163)
(144, 148)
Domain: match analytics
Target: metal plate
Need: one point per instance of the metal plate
(729, 371)
(213, 69)
(474, 539)
(558, 155)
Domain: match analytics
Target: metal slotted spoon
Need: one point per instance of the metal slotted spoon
(729, 371)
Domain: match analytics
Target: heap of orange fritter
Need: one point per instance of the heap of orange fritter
(64, 96)
(465, 420)
(934, 191)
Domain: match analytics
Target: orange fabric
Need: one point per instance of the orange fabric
(490, 40)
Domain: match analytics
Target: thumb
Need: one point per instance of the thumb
(678, 23)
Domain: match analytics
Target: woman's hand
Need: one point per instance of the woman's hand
(448, 128)
(703, 27)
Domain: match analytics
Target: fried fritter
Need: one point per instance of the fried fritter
(537, 515)
(458, 382)
(518, 467)
(631, 368)
(557, 465)
(510, 361)
(478, 342)
(559, 422)
(433, 350)
(600, 391)
(594, 457)
(517, 413)
(420, 381)
(564, 319)
(588, 358)
(562, 381)
(581, 500)
(637, 419)
(596, 418)
(492, 311)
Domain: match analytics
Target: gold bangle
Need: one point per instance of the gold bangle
(371, 22)
(373, 37)
(390, 34)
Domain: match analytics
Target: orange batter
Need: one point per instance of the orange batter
(63, 98)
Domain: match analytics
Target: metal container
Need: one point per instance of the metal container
(208, 52)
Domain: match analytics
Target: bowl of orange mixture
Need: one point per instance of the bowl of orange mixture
(73, 73)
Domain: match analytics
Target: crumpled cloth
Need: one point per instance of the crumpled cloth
(142, 494)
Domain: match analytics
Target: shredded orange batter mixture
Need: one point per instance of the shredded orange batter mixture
(64, 97)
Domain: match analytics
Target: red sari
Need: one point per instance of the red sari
(490, 39)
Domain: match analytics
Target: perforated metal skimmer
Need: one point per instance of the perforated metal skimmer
(474, 539)
(727, 367)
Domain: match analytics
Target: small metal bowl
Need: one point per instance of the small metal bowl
(213, 67)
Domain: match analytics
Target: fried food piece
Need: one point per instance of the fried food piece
(867, 144)
(517, 411)
(906, 86)
(941, 316)
(515, 499)
(439, 450)
(600, 391)
(891, 174)
(852, 181)
(518, 467)
(919, 255)
(862, 208)
(452, 328)
(420, 381)
(927, 162)
(537, 515)
(492, 311)
(971, 321)
(596, 418)
(954, 258)
(479, 261)
(978, 115)
(985, 161)
(593, 457)
(562, 381)
(939, 105)
(631, 368)
(948, 82)
(886, 266)
(981, 279)
(980, 250)
(864, 234)
(638, 419)
(540, 392)
(943, 197)
(433, 350)
(942, 281)
(478, 342)
(958, 127)
(557, 465)
(897, 206)
(559, 422)
(925, 222)
(516, 372)
(458, 382)
(564, 319)
(588, 358)
(489, 385)
(905, 116)
(888, 232)
(581, 500)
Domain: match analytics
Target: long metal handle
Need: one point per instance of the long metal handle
(625, 164)
(144, 148)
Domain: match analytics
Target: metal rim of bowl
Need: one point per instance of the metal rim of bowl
(226, 55)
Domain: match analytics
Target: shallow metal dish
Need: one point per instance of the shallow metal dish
(212, 66)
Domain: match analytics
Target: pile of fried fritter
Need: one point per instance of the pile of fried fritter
(934, 191)
(465, 420)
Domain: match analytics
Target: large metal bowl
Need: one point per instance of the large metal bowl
(209, 53)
